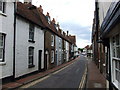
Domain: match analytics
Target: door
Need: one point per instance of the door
(39, 60)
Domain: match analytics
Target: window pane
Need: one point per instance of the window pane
(117, 39)
(1, 40)
(1, 54)
(116, 73)
(31, 53)
(113, 52)
(0, 5)
(118, 52)
(31, 32)
(113, 41)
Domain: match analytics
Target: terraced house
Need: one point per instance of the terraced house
(106, 41)
(30, 41)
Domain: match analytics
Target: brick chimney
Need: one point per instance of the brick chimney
(40, 9)
(67, 33)
(53, 21)
(48, 15)
(28, 1)
(58, 25)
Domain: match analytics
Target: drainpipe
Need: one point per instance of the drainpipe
(14, 39)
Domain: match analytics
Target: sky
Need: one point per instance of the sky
(75, 16)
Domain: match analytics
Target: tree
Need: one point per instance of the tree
(80, 49)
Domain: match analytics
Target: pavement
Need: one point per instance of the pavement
(95, 79)
(23, 81)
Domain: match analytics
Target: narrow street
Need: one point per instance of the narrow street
(68, 77)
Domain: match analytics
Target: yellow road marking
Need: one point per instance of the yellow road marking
(83, 79)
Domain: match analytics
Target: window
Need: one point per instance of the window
(115, 46)
(52, 40)
(2, 6)
(31, 32)
(2, 47)
(52, 56)
(31, 57)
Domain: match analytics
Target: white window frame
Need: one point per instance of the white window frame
(52, 56)
(115, 58)
(52, 40)
(2, 8)
(2, 37)
(30, 56)
(31, 32)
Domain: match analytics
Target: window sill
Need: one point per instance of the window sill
(2, 63)
(3, 14)
(31, 41)
(31, 66)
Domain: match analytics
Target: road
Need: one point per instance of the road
(68, 77)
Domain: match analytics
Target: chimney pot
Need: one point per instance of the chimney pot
(53, 20)
(67, 33)
(40, 9)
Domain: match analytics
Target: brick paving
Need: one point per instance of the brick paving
(95, 78)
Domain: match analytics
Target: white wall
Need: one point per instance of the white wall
(67, 51)
(22, 45)
(6, 27)
(103, 8)
(58, 47)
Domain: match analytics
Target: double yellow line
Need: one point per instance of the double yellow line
(82, 83)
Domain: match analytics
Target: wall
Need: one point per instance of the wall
(6, 22)
(58, 48)
(103, 8)
(22, 45)
(67, 51)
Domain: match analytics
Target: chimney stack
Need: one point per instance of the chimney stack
(40, 9)
(28, 1)
(48, 14)
(53, 20)
(67, 33)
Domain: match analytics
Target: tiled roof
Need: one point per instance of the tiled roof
(37, 17)
(29, 14)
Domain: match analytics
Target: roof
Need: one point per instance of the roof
(29, 14)
(37, 17)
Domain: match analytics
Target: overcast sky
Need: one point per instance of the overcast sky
(76, 16)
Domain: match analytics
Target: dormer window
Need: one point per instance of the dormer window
(2, 7)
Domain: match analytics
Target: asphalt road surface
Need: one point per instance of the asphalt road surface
(69, 77)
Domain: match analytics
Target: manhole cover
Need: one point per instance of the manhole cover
(97, 85)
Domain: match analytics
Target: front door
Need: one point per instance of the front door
(39, 62)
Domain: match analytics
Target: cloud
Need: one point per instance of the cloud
(76, 16)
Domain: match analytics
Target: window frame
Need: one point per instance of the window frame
(52, 56)
(2, 9)
(31, 33)
(115, 57)
(52, 40)
(31, 61)
(3, 48)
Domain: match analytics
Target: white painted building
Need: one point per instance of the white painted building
(58, 50)
(27, 48)
(6, 39)
(67, 51)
